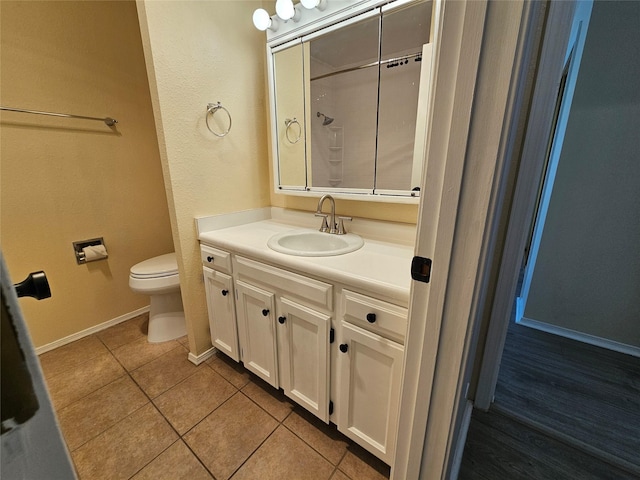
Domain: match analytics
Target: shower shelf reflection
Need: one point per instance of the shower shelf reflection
(335, 155)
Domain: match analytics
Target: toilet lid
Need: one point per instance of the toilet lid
(161, 266)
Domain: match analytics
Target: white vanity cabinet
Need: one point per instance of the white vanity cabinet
(370, 360)
(284, 322)
(324, 344)
(256, 328)
(220, 300)
(303, 348)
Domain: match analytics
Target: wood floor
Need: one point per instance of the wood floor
(563, 410)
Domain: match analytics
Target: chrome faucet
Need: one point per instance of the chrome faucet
(325, 227)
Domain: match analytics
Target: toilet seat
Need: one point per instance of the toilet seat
(155, 275)
(161, 266)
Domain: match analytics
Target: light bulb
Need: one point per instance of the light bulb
(261, 19)
(311, 4)
(285, 9)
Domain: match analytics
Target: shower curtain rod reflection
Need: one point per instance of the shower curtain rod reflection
(389, 62)
(108, 121)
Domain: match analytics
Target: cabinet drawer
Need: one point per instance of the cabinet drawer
(380, 317)
(306, 290)
(216, 259)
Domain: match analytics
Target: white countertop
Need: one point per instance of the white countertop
(379, 266)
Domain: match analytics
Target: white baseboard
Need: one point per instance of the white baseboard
(89, 331)
(580, 337)
(198, 359)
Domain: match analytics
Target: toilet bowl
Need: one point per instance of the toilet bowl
(158, 278)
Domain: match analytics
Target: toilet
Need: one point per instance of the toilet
(158, 278)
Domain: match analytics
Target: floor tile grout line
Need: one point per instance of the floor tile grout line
(146, 464)
(152, 360)
(148, 361)
(84, 397)
(268, 413)
(181, 437)
(107, 428)
(97, 334)
(311, 446)
(197, 457)
(66, 372)
(262, 408)
(58, 410)
(281, 422)
(204, 418)
(255, 449)
(238, 391)
(111, 426)
(128, 373)
(223, 376)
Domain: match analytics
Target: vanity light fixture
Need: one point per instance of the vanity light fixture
(287, 11)
(311, 4)
(263, 21)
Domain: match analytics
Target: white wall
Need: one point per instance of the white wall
(587, 274)
(197, 53)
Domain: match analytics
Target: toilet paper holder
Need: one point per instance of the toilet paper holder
(78, 248)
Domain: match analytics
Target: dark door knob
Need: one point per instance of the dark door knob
(224, 293)
(265, 312)
(209, 259)
(371, 317)
(35, 285)
(282, 320)
(344, 347)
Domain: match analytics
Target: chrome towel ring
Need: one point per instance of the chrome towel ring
(212, 108)
(289, 122)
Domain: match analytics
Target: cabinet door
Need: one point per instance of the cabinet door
(303, 351)
(222, 314)
(256, 325)
(370, 368)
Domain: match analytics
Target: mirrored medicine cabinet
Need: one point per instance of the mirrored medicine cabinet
(349, 105)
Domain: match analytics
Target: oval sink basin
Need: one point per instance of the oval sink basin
(309, 243)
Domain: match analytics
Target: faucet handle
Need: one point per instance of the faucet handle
(325, 225)
(341, 230)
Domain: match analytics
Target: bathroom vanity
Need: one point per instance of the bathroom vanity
(328, 330)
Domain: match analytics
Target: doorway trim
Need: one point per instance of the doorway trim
(540, 123)
(471, 133)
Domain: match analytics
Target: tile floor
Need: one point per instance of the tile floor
(129, 409)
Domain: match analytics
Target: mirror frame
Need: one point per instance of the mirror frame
(337, 15)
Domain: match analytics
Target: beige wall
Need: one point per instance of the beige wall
(198, 53)
(203, 52)
(593, 213)
(64, 180)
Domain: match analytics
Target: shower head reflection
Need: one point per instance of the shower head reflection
(326, 121)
